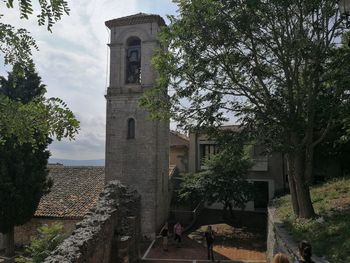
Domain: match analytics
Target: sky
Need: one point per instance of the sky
(72, 62)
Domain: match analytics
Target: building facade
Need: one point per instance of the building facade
(268, 173)
(178, 155)
(137, 151)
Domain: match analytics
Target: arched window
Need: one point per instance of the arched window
(133, 60)
(131, 129)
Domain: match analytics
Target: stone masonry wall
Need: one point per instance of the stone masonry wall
(279, 240)
(24, 233)
(141, 162)
(109, 233)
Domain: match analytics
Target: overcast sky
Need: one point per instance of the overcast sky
(72, 62)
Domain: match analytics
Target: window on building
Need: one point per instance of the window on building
(131, 129)
(206, 151)
(133, 60)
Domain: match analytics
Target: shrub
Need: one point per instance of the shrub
(40, 248)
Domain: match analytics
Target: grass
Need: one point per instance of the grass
(329, 232)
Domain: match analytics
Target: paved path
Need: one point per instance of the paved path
(199, 261)
(191, 251)
(234, 243)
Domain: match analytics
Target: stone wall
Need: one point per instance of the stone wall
(109, 233)
(24, 233)
(279, 240)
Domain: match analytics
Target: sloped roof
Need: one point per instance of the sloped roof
(74, 193)
(178, 139)
(140, 18)
(232, 127)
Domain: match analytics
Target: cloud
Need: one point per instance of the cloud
(89, 143)
(72, 62)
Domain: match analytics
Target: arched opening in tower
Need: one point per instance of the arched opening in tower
(133, 60)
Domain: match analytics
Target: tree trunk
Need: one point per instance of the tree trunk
(299, 161)
(309, 165)
(291, 182)
(231, 210)
(224, 211)
(306, 209)
(9, 239)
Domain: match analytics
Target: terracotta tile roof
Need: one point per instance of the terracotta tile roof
(74, 193)
(140, 18)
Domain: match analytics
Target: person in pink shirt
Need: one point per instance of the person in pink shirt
(178, 233)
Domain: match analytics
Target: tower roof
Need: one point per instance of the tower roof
(140, 18)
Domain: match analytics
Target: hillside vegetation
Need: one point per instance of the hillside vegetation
(329, 232)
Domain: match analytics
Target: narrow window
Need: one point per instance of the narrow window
(133, 60)
(131, 128)
(206, 151)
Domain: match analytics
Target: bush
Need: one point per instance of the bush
(40, 248)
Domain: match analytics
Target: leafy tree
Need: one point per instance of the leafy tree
(23, 166)
(26, 121)
(274, 64)
(191, 190)
(22, 85)
(223, 180)
(335, 148)
(16, 46)
(41, 247)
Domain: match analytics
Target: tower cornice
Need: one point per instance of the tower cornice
(140, 18)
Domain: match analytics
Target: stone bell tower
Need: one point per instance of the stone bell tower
(136, 147)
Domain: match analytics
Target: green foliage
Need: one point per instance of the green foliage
(223, 179)
(32, 120)
(22, 85)
(41, 247)
(17, 44)
(50, 11)
(336, 143)
(329, 236)
(192, 189)
(23, 180)
(250, 58)
(275, 65)
(24, 110)
(20, 120)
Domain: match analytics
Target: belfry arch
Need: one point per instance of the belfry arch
(133, 60)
